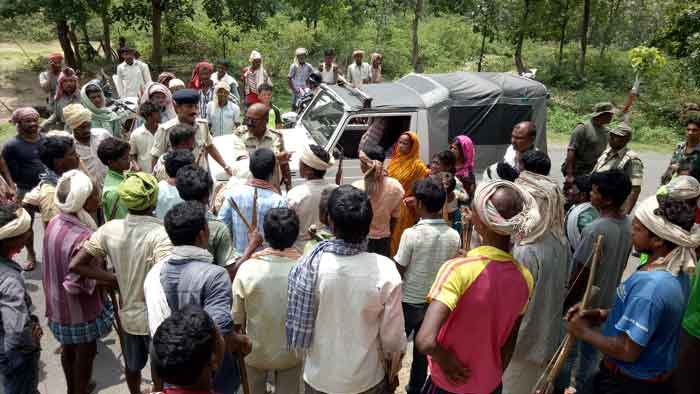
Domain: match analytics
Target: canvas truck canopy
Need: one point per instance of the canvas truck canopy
(483, 106)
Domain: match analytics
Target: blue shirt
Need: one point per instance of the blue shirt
(243, 197)
(649, 308)
(168, 197)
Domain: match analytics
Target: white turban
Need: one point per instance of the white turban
(254, 55)
(175, 83)
(682, 187)
(681, 258)
(518, 225)
(75, 115)
(310, 159)
(222, 85)
(18, 226)
(79, 188)
(300, 51)
(550, 205)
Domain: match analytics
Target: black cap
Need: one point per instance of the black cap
(186, 96)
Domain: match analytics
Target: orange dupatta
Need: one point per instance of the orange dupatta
(406, 168)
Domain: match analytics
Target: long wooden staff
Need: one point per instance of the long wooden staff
(244, 374)
(545, 384)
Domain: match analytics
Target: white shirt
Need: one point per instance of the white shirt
(359, 317)
(357, 74)
(88, 154)
(304, 200)
(141, 141)
(230, 81)
(132, 79)
(222, 120)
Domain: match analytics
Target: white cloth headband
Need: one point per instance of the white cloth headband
(18, 226)
(310, 159)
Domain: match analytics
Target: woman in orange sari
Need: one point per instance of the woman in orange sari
(406, 167)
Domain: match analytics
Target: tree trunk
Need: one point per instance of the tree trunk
(107, 31)
(414, 32)
(156, 56)
(483, 48)
(562, 35)
(584, 37)
(64, 39)
(76, 48)
(520, 38)
(609, 28)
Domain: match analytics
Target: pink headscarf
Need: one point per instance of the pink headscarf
(66, 75)
(195, 83)
(467, 147)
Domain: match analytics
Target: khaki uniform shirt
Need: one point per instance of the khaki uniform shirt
(202, 139)
(625, 160)
(246, 143)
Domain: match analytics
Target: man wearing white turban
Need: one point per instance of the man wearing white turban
(545, 253)
(87, 138)
(77, 315)
(304, 198)
(254, 76)
(21, 333)
(485, 294)
(640, 336)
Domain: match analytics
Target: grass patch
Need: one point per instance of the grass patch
(7, 131)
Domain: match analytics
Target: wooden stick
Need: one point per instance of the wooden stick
(545, 384)
(467, 227)
(117, 322)
(244, 374)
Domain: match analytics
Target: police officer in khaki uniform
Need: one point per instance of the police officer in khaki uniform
(618, 157)
(187, 108)
(255, 134)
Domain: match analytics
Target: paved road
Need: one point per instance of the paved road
(108, 371)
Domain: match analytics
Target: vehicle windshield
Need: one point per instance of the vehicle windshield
(323, 117)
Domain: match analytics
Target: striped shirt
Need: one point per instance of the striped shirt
(243, 197)
(422, 251)
(64, 236)
(205, 96)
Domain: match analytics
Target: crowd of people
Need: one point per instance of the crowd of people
(323, 286)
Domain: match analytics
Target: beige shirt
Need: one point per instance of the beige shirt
(260, 303)
(359, 321)
(88, 155)
(141, 141)
(132, 246)
(42, 196)
(304, 200)
(202, 140)
(386, 206)
(625, 160)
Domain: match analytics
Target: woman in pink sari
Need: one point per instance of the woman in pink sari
(463, 148)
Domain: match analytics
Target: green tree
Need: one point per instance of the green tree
(64, 14)
(148, 14)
